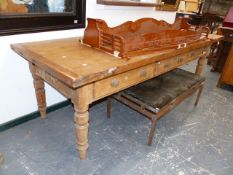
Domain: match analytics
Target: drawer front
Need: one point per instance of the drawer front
(169, 64)
(197, 53)
(119, 82)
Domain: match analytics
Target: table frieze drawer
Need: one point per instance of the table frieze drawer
(119, 82)
(169, 64)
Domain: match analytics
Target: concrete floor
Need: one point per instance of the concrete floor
(189, 140)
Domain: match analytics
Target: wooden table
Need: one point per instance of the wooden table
(85, 75)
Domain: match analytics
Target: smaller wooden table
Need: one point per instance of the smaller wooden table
(156, 97)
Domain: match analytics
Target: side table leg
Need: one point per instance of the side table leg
(198, 95)
(152, 130)
(109, 107)
(40, 92)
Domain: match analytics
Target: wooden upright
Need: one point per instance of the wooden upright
(227, 72)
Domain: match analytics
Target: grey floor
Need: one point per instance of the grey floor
(189, 140)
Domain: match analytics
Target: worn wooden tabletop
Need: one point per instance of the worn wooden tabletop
(76, 64)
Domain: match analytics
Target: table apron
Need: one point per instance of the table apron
(108, 86)
(55, 83)
(116, 83)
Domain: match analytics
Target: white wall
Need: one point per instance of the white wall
(17, 96)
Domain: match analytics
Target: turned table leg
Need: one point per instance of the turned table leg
(40, 91)
(200, 66)
(199, 71)
(81, 117)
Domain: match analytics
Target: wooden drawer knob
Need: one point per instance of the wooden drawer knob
(115, 83)
(143, 73)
